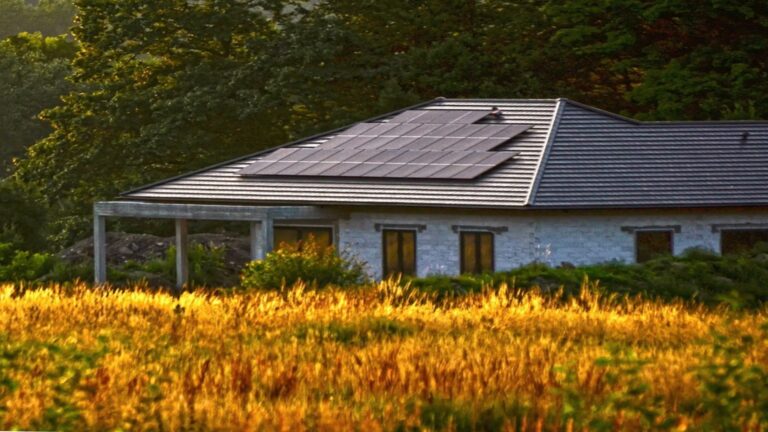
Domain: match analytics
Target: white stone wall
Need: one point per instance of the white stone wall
(554, 237)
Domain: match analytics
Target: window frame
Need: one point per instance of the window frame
(738, 229)
(478, 251)
(400, 254)
(300, 228)
(671, 231)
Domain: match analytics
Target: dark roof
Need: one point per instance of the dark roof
(573, 156)
(598, 160)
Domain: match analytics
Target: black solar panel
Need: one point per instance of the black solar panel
(417, 144)
(439, 116)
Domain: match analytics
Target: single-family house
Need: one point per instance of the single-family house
(454, 185)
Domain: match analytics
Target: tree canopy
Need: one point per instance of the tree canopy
(49, 17)
(160, 88)
(33, 71)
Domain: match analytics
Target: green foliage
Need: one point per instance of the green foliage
(309, 263)
(50, 17)
(733, 388)
(151, 105)
(612, 394)
(359, 333)
(33, 69)
(670, 60)
(206, 267)
(697, 274)
(18, 266)
(22, 216)
(64, 368)
(156, 83)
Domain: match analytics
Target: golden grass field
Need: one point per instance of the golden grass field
(376, 358)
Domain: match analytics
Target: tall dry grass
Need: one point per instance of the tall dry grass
(377, 358)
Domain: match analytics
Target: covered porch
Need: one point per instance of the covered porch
(262, 220)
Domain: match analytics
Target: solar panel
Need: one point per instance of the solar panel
(378, 163)
(401, 142)
(423, 144)
(439, 116)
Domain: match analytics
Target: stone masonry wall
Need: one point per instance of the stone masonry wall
(553, 237)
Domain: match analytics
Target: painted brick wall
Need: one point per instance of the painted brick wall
(574, 237)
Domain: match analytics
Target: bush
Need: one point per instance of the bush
(695, 275)
(22, 217)
(24, 266)
(206, 267)
(309, 263)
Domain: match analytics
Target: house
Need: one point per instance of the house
(452, 186)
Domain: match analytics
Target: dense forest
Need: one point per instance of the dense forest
(100, 96)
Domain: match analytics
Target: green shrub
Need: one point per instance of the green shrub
(732, 388)
(6, 253)
(695, 275)
(313, 264)
(27, 266)
(206, 266)
(22, 216)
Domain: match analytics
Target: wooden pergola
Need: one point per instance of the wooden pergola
(261, 219)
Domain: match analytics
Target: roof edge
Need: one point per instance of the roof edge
(602, 111)
(664, 122)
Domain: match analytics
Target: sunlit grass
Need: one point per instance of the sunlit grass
(382, 357)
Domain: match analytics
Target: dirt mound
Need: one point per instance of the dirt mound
(124, 247)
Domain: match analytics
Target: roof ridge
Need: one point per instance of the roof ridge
(548, 142)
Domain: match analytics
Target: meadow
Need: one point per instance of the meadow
(380, 357)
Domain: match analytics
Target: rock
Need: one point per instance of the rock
(142, 248)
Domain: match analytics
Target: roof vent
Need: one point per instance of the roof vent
(744, 137)
(496, 113)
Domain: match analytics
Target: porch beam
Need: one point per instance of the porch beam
(209, 211)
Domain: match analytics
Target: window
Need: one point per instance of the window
(736, 241)
(399, 252)
(652, 244)
(476, 252)
(296, 235)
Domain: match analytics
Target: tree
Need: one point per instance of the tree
(178, 85)
(167, 87)
(33, 72)
(671, 60)
(164, 88)
(49, 17)
(22, 216)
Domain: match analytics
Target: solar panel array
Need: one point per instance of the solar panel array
(416, 144)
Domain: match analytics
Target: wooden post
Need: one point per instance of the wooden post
(99, 249)
(182, 258)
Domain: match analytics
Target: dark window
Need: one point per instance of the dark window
(399, 252)
(296, 236)
(652, 244)
(476, 252)
(741, 241)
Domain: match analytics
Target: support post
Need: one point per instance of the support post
(255, 240)
(267, 236)
(99, 249)
(182, 259)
